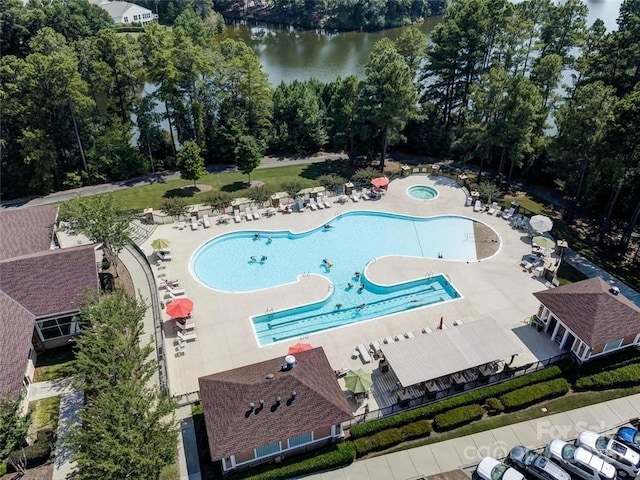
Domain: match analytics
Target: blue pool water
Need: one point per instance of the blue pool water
(356, 239)
(422, 192)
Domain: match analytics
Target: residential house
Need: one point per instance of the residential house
(589, 318)
(272, 409)
(41, 287)
(126, 13)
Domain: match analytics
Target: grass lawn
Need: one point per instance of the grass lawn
(569, 274)
(45, 413)
(558, 405)
(54, 364)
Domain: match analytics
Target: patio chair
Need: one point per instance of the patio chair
(164, 256)
(477, 206)
(205, 221)
(255, 213)
(319, 204)
(327, 203)
(176, 295)
(236, 216)
(493, 208)
(355, 197)
(388, 340)
(375, 346)
(184, 327)
(247, 214)
(509, 213)
(194, 223)
(364, 353)
(186, 338)
(427, 330)
(312, 204)
(365, 194)
(409, 335)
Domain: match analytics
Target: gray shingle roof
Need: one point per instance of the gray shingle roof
(16, 325)
(26, 230)
(233, 428)
(591, 311)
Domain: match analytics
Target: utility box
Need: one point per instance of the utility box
(405, 170)
(348, 188)
(516, 206)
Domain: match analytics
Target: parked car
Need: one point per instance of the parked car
(625, 459)
(579, 461)
(630, 437)
(491, 469)
(535, 465)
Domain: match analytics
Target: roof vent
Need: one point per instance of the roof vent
(290, 362)
(293, 394)
(278, 400)
(614, 290)
(270, 376)
(252, 405)
(261, 402)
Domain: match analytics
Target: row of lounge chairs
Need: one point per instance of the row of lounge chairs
(364, 195)
(320, 204)
(206, 222)
(250, 213)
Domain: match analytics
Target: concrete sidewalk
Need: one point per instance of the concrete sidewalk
(468, 451)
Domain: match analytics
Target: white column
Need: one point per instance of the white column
(564, 338)
(555, 330)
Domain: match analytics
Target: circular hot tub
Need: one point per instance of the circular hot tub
(422, 192)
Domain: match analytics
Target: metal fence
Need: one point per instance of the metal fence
(141, 258)
(427, 397)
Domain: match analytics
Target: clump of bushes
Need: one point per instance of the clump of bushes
(620, 377)
(494, 406)
(458, 417)
(476, 396)
(392, 436)
(526, 396)
(39, 452)
(335, 456)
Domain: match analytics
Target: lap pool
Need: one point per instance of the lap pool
(258, 259)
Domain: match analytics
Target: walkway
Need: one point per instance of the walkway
(50, 388)
(466, 452)
(585, 266)
(70, 403)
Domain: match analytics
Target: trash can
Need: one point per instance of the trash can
(516, 206)
(348, 188)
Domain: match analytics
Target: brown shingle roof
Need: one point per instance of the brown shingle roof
(590, 310)
(233, 428)
(26, 230)
(52, 281)
(16, 325)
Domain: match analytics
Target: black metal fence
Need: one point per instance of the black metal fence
(428, 397)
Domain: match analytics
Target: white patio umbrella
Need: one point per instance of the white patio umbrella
(540, 223)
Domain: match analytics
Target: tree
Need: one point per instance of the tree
(190, 163)
(259, 195)
(488, 190)
(14, 426)
(342, 112)
(247, 155)
(126, 427)
(175, 207)
(388, 94)
(102, 219)
(331, 181)
(412, 47)
(364, 176)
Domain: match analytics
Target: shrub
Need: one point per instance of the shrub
(620, 377)
(475, 396)
(457, 417)
(526, 396)
(419, 429)
(39, 452)
(494, 406)
(3, 468)
(612, 361)
(337, 455)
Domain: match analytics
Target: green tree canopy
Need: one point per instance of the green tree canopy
(247, 155)
(14, 426)
(190, 162)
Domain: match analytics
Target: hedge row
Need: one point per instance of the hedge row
(39, 452)
(392, 436)
(339, 455)
(458, 417)
(625, 357)
(526, 396)
(475, 396)
(620, 377)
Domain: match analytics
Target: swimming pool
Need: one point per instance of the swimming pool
(234, 262)
(422, 192)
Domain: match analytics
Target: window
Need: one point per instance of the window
(125, 19)
(612, 345)
(267, 450)
(135, 18)
(301, 439)
(57, 327)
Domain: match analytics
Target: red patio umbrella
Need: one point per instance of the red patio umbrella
(299, 347)
(380, 182)
(180, 308)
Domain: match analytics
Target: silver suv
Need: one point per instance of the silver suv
(579, 461)
(534, 465)
(624, 459)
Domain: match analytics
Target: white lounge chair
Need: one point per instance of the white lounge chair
(364, 353)
(365, 194)
(327, 203)
(493, 208)
(205, 221)
(186, 338)
(409, 334)
(164, 256)
(312, 204)
(477, 206)
(427, 330)
(236, 216)
(184, 326)
(175, 291)
(375, 346)
(355, 197)
(319, 204)
(255, 213)
(247, 214)
(168, 283)
(194, 223)
(509, 213)
(388, 340)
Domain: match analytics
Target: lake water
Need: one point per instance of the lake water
(299, 55)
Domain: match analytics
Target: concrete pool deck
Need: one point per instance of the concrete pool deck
(495, 287)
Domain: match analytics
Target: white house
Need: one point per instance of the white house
(126, 13)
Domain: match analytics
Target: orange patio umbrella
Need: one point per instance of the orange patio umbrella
(299, 347)
(180, 308)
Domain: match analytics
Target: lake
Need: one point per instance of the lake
(288, 55)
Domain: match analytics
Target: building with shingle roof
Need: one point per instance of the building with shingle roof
(589, 318)
(274, 408)
(41, 289)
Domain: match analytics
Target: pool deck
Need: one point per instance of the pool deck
(496, 287)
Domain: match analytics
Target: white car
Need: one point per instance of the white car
(579, 461)
(626, 460)
(491, 469)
